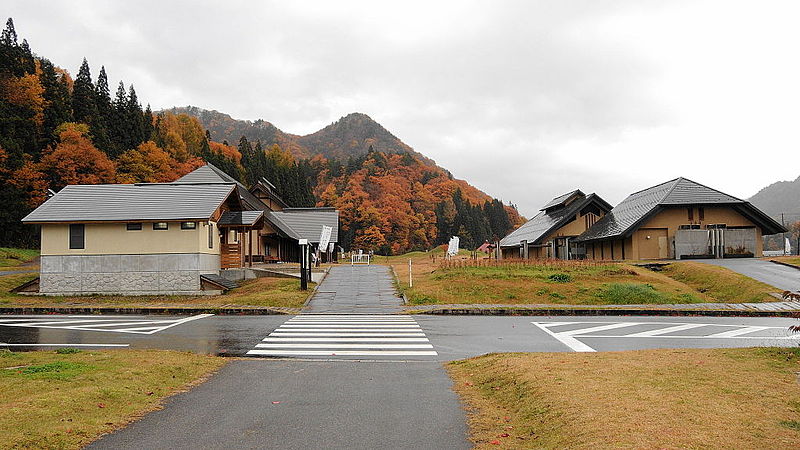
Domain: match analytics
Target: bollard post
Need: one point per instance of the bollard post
(304, 264)
(410, 280)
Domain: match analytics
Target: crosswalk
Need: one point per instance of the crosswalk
(574, 333)
(336, 336)
(110, 324)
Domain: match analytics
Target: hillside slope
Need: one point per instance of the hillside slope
(779, 197)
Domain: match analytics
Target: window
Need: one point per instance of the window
(689, 227)
(701, 213)
(160, 226)
(133, 226)
(210, 235)
(188, 225)
(691, 213)
(76, 236)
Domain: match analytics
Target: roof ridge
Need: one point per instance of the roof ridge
(654, 186)
(709, 188)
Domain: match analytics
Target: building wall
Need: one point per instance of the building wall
(118, 261)
(115, 239)
(666, 223)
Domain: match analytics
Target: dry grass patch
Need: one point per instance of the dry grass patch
(720, 398)
(720, 283)
(67, 400)
(539, 283)
(263, 292)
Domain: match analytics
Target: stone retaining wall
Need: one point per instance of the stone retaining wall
(175, 274)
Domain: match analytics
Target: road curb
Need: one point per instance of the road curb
(785, 264)
(223, 311)
(397, 287)
(599, 312)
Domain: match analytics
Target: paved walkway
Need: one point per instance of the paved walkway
(356, 290)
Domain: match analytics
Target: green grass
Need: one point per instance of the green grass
(640, 293)
(12, 257)
(65, 401)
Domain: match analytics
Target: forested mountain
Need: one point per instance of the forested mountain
(56, 130)
(391, 197)
(779, 197)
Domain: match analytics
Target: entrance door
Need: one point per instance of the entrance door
(653, 243)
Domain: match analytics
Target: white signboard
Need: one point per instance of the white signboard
(452, 246)
(787, 247)
(325, 236)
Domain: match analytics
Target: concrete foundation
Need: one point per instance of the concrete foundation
(172, 274)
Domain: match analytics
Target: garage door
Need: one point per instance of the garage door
(653, 243)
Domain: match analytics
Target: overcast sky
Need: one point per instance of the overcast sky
(525, 100)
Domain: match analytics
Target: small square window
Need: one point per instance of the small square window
(188, 225)
(133, 226)
(160, 226)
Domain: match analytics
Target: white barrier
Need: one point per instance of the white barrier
(359, 259)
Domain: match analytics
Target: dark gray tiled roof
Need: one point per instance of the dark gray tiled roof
(306, 223)
(245, 218)
(628, 215)
(207, 174)
(561, 199)
(543, 223)
(132, 202)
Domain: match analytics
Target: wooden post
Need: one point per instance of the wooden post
(410, 279)
(250, 246)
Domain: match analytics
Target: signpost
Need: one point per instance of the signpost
(324, 240)
(452, 246)
(305, 264)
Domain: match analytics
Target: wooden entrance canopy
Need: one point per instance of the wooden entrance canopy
(232, 254)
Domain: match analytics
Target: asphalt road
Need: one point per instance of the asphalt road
(780, 276)
(378, 399)
(320, 404)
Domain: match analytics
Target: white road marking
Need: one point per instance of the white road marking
(672, 329)
(339, 353)
(334, 336)
(2, 344)
(343, 339)
(570, 338)
(160, 325)
(340, 345)
(350, 334)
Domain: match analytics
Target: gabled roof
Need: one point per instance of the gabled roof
(208, 173)
(561, 200)
(551, 218)
(295, 223)
(306, 223)
(132, 202)
(268, 188)
(626, 217)
(240, 218)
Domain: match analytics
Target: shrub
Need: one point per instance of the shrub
(560, 278)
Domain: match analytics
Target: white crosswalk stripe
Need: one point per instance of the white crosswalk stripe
(346, 336)
(100, 323)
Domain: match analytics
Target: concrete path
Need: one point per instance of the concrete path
(302, 405)
(782, 277)
(356, 290)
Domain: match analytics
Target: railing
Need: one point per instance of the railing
(230, 256)
(359, 259)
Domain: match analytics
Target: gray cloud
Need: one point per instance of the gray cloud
(526, 100)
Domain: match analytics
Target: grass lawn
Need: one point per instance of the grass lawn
(12, 257)
(66, 400)
(720, 283)
(721, 398)
(571, 283)
(788, 259)
(264, 292)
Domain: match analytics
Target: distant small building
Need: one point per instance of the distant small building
(550, 233)
(679, 219)
(486, 247)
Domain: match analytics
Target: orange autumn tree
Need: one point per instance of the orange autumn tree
(146, 164)
(75, 160)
